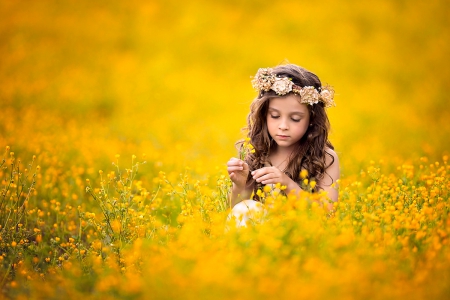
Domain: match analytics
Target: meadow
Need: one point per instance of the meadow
(117, 119)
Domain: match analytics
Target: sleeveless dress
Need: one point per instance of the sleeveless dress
(246, 212)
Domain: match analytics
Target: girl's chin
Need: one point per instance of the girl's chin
(284, 144)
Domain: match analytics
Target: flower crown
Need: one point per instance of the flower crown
(266, 80)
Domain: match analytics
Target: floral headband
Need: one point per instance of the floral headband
(266, 80)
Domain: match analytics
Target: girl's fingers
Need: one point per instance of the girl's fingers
(257, 173)
(260, 172)
(235, 162)
(265, 177)
(235, 168)
(266, 182)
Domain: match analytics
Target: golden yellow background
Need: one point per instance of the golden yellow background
(172, 79)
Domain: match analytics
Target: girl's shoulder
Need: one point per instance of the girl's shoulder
(331, 157)
(330, 151)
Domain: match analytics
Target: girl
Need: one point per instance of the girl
(288, 128)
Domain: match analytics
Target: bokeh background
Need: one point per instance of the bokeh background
(83, 83)
(84, 80)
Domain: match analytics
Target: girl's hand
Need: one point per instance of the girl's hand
(238, 172)
(270, 175)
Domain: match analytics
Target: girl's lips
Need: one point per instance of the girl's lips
(283, 136)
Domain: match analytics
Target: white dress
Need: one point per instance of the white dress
(247, 212)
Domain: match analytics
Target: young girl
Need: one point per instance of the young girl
(288, 128)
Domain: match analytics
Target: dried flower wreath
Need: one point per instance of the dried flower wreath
(266, 80)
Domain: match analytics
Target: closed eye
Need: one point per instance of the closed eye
(274, 117)
(296, 120)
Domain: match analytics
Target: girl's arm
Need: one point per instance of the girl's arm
(238, 194)
(238, 172)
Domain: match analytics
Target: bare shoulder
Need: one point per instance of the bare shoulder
(331, 158)
(332, 173)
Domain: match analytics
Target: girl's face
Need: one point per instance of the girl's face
(287, 120)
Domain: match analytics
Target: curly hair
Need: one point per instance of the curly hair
(310, 153)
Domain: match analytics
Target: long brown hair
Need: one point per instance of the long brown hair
(311, 149)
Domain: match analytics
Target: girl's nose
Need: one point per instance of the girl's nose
(283, 125)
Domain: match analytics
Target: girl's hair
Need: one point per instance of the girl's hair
(311, 149)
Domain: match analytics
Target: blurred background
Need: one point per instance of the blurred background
(83, 80)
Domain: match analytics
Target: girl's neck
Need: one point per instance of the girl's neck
(282, 152)
(280, 157)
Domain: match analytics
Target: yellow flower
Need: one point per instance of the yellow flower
(303, 174)
(116, 225)
(246, 148)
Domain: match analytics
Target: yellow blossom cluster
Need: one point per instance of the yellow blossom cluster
(388, 229)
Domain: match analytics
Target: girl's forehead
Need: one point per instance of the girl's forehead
(291, 103)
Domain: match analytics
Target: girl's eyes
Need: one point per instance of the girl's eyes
(276, 117)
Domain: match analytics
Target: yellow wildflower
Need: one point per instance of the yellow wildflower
(267, 189)
(303, 174)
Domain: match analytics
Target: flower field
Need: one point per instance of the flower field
(117, 119)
